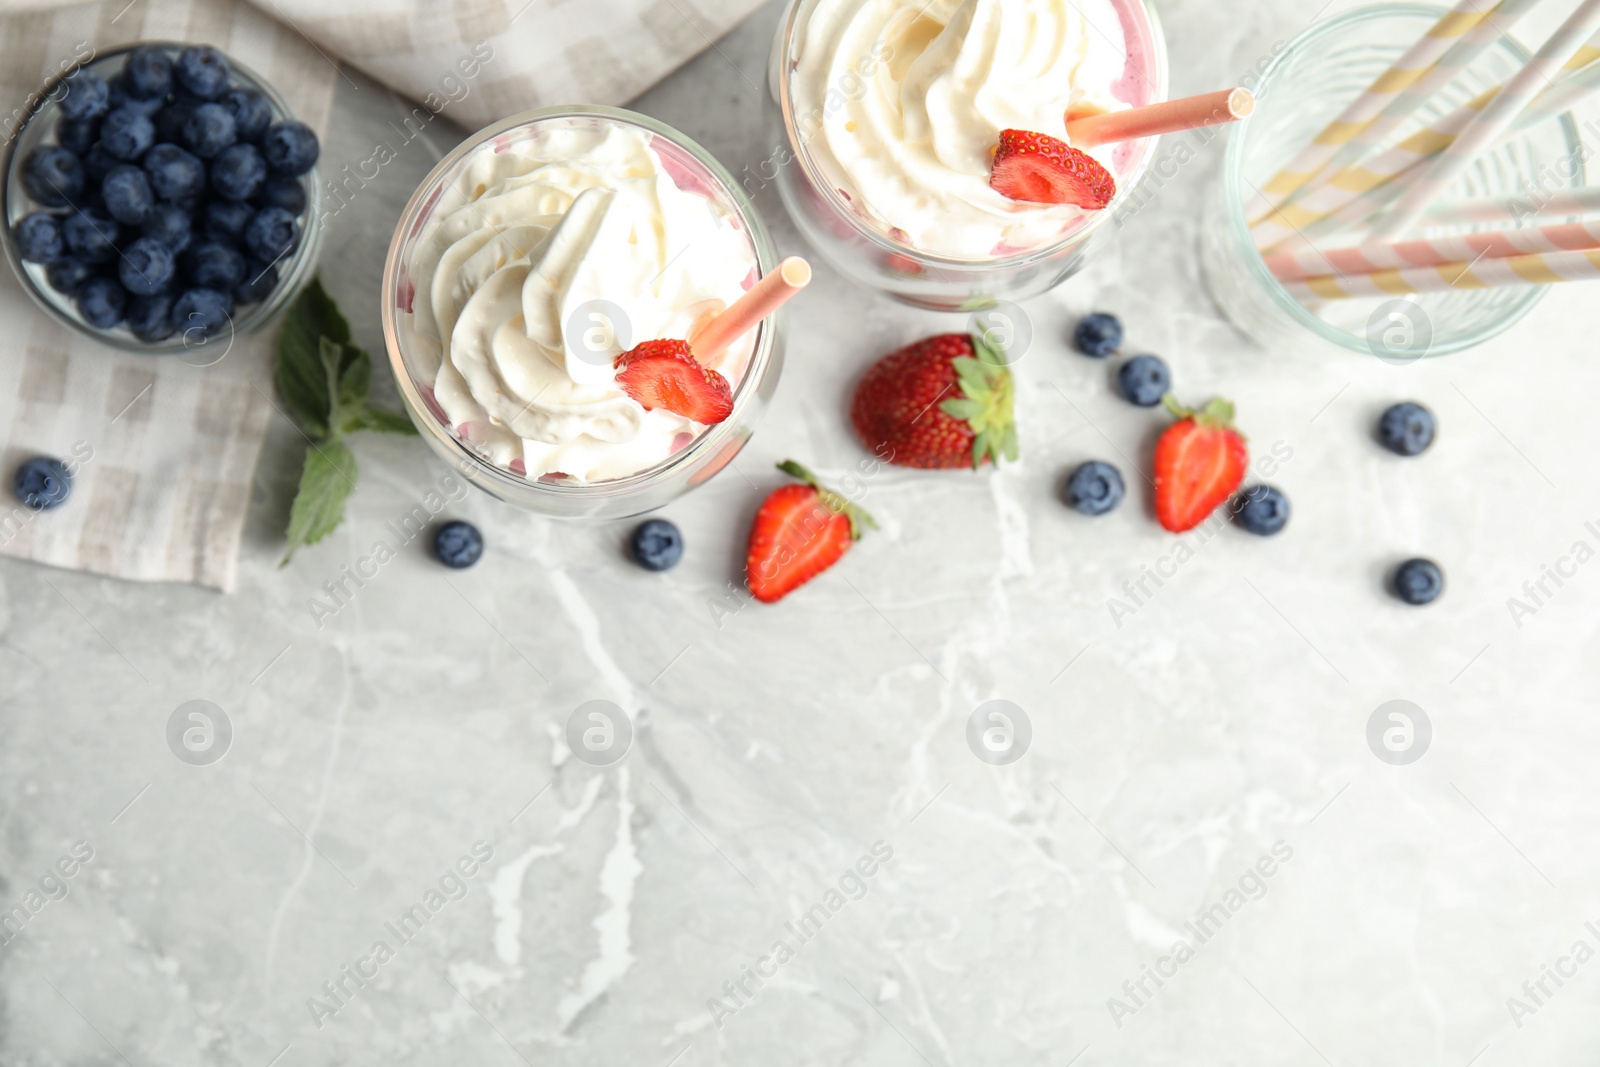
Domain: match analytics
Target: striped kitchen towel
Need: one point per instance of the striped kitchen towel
(163, 449)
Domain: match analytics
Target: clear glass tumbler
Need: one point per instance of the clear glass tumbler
(865, 250)
(1307, 85)
(694, 170)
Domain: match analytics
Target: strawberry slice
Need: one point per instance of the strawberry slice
(1200, 461)
(665, 374)
(800, 531)
(1042, 170)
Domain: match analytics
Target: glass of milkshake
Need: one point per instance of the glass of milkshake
(533, 257)
(890, 113)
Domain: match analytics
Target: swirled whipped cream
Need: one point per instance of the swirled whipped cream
(543, 261)
(902, 103)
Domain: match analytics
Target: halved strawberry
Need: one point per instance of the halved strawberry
(800, 531)
(665, 374)
(1042, 170)
(1200, 461)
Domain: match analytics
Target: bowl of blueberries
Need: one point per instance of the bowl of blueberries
(161, 195)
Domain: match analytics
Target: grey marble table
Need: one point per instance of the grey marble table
(1199, 769)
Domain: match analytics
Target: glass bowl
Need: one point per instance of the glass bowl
(38, 126)
(866, 251)
(1307, 85)
(694, 170)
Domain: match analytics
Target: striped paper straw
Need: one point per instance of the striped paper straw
(1442, 53)
(1438, 251)
(1494, 120)
(1544, 269)
(1355, 194)
(1540, 207)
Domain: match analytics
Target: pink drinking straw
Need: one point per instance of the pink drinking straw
(1192, 112)
(742, 316)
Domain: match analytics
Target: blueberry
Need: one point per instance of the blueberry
(174, 173)
(150, 317)
(1144, 380)
(202, 71)
(169, 121)
(250, 110)
(289, 148)
(271, 233)
(38, 237)
(127, 133)
(172, 225)
(148, 73)
(77, 135)
(121, 97)
(1262, 509)
(1098, 335)
(279, 191)
(201, 312)
(458, 544)
(656, 545)
(67, 274)
(92, 238)
(87, 95)
(53, 176)
(215, 265)
(127, 194)
(97, 163)
(259, 281)
(238, 172)
(225, 220)
(1406, 429)
(101, 302)
(1418, 581)
(1094, 488)
(42, 483)
(208, 130)
(147, 267)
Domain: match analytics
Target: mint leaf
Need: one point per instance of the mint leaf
(383, 421)
(355, 379)
(301, 378)
(326, 482)
(325, 378)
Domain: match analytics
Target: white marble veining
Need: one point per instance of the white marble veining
(774, 747)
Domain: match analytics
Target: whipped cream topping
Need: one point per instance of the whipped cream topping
(543, 260)
(902, 103)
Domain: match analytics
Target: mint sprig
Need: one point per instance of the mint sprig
(324, 378)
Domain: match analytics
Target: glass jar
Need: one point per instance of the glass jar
(1308, 85)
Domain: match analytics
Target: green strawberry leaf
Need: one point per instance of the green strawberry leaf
(965, 410)
(328, 479)
(986, 403)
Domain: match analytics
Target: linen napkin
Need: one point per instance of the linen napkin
(164, 449)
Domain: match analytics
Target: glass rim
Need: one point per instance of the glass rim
(1233, 176)
(462, 455)
(825, 187)
(300, 264)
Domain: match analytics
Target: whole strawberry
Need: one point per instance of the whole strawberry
(800, 531)
(1200, 461)
(942, 403)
